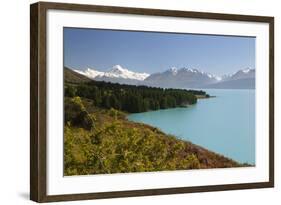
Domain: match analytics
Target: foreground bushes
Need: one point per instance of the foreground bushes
(117, 149)
(115, 145)
(76, 114)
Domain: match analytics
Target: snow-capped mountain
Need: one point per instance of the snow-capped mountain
(181, 78)
(242, 79)
(90, 73)
(242, 74)
(116, 74)
(174, 71)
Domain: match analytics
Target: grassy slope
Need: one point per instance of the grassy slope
(117, 145)
(71, 76)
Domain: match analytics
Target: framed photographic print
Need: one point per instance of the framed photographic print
(135, 102)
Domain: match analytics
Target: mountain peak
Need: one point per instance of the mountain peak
(173, 70)
(192, 70)
(118, 69)
(247, 70)
(243, 73)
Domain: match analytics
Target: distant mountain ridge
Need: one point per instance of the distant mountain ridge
(180, 78)
(175, 78)
(242, 79)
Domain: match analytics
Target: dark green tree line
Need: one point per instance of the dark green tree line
(131, 98)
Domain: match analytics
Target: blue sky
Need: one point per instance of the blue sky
(152, 52)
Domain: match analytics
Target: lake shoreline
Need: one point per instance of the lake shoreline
(197, 148)
(187, 127)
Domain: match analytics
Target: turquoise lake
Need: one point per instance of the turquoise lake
(224, 124)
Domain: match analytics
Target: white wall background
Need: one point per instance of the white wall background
(14, 102)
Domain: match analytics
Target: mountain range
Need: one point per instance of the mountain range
(175, 78)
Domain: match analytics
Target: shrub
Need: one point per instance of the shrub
(69, 91)
(76, 114)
